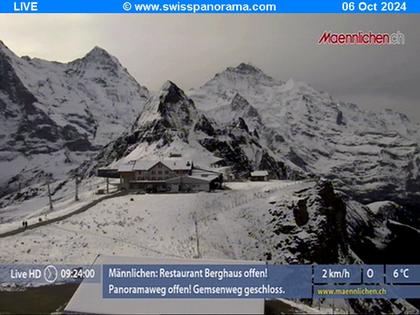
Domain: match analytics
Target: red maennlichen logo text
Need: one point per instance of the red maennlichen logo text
(362, 38)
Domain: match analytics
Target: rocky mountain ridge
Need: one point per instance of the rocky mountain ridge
(171, 124)
(372, 156)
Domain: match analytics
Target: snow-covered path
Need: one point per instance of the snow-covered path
(56, 216)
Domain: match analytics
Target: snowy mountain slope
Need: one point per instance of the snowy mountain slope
(170, 123)
(277, 221)
(373, 156)
(55, 115)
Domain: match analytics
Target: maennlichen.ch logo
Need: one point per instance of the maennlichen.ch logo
(362, 38)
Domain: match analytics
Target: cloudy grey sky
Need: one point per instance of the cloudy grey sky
(190, 49)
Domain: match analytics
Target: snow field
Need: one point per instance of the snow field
(155, 225)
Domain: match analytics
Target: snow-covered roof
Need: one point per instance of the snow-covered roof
(88, 297)
(207, 178)
(197, 174)
(259, 173)
(177, 164)
(144, 165)
(191, 179)
(126, 167)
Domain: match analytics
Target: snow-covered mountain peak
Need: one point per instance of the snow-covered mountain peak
(245, 79)
(171, 106)
(170, 93)
(246, 68)
(98, 59)
(168, 84)
(98, 51)
(245, 72)
(55, 115)
(98, 54)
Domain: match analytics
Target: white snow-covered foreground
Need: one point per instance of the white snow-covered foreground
(158, 225)
(226, 224)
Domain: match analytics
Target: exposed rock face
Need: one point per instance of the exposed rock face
(277, 169)
(242, 124)
(300, 211)
(318, 225)
(55, 115)
(205, 126)
(376, 235)
(311, 227)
